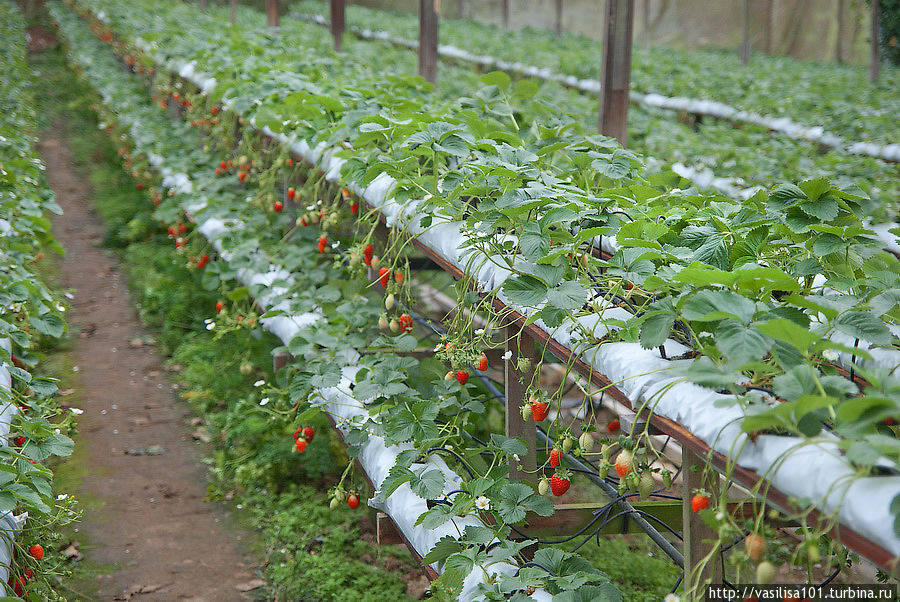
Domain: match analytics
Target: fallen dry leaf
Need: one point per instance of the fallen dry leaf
(250, 585)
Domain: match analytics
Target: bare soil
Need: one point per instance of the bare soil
(150, 521)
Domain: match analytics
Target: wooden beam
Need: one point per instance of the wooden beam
(202, 3)
(769, 25)
(504, 13)
(520, 345)
(428, 39)
(615, 74)
(386, 533)
(233, 12)
(839, 42)
(698, 537)
(338, 23)
(645, 22)
(745, 33)
(281, 359)
(875, 59)
(272, 13)
(558, 25)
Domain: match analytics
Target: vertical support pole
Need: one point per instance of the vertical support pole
(875, 61)
(839, 42)
(695, 531)
(338, 23)
(559, 16)
(463, 13)
(272, 12)
(233, 12)
(769, 25)
(202, 4)
(745, 33)
(645, 22)
(504, 10)
(516, 385)
(615, 73)
(428, 39)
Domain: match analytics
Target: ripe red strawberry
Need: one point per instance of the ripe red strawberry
(20, 441)
(308, 433)
(540, 409)
(345, 194)
(29, 573)
(399, 277)
(614, 425)
(629, 286)
(291, 194)
(172, 231)
(406, 323)
(555, 457)
(354, 208)
(37, 552)
(220, 305)
(462, 377)
(301, 445)
(699, 502)
(215, 111)
(624, 463)
(298, 433)
(223, 164)
(182, 228)
(218, 171)
(385, 275)
(353, 501)
(559, 485)
(278, 206)
(483, 362)
(242, 175)
(19, 587)
(323, 242)
(368, 253)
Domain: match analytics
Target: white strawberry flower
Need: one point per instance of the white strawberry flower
(210, 325)
(483, 503)
(438, 347)
(831, 355)
(480, 331)
(507, 355)
(264, 401)
(259, 383)
(671, 598)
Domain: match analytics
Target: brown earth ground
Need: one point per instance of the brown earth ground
(148, 524)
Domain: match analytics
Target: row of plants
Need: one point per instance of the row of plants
(827, 94)
(33, 427)
(529, 194)
(710, 146)
(272, 402)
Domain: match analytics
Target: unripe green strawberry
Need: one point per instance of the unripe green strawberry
(646, 484)
(606, 451)
(389, 302)
(246, 368)
(765, 573)
(567, 444)
(383, 322)
(604, 469)
(666, 477)
(523, 364)
(755, 546)
(526, 411)
(335, 502)
(395, 326)
(543, 486)
(586, 441)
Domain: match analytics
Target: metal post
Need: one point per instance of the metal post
(745, 33)
(875, 62)
(272, 12)
(428, 39)
(697, 535)
(839, 42)
(504, 9)
(516, 384)
(615, 74)
(338, 23)
(559, 16)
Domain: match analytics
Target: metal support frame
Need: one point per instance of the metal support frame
(695, 532)
(520, 345)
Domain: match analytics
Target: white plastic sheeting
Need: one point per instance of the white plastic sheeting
(10, 524)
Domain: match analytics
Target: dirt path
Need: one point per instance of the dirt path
(151, 522)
